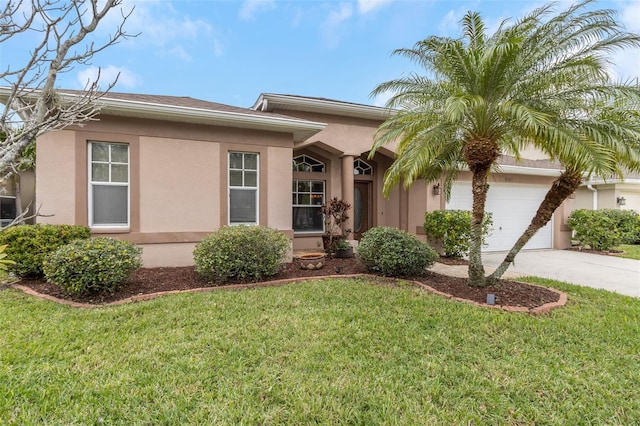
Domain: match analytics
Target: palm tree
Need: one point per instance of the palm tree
(541, 81)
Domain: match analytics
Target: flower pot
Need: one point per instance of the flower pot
(345, 254)
(311, 261)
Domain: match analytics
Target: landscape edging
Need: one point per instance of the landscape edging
(142, 297)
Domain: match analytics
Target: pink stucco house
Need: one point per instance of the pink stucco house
(164, 171)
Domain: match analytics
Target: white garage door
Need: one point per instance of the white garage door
(512, 207)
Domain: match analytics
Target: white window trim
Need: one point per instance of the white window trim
(244, 188)
(91, 184)
(324, 195)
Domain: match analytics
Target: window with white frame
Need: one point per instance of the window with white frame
(7, 201)
(243, 188)
(108, 184)
(308, 195)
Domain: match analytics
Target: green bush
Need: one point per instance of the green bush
(452, 230)
(627, 222)
(604, 229)
(29, 245)
(392, 252)
(244, 253)
(97, 265)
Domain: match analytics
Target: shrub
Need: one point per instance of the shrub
(627, 222)
(604, 229)
(29, 245)
(97, 265)
(245, 253)
(452, 230)
(392, 252)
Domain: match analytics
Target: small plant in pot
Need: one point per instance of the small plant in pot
(335, 218)
(343, 249)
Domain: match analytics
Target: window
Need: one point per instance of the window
(308, 197)
(108, 184)
(7, 201)
(308, 194)
(304, 163)
(362, 168)
(243, 188)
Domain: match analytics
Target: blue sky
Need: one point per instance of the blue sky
(231, 51)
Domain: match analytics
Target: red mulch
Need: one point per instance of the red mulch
(152, 280)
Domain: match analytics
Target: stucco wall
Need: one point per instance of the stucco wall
(607, 195)
(278, 187)
(56, 177)
(178, 180)
(180, 185)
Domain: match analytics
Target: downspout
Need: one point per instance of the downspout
(595, 196)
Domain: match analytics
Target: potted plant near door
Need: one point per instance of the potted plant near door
(335, 217)
(343, 249)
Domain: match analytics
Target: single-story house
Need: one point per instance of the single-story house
(164, 171)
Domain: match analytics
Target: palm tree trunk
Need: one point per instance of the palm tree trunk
(562, 187)
(479, 188)
(480, 153)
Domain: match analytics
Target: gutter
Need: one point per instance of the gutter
(595, 195)
(531, 171)
(300, 128)
(270, 101)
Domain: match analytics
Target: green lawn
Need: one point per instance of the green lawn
(630, 251)
(324, 352)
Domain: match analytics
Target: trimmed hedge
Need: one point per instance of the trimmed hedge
(393, 252)
(93, 266)
(452, 230)
(604, 229)
(29, 245)
(244, 253)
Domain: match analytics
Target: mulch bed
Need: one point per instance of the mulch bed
(592, 251)
(153, 280)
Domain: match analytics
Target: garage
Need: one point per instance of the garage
(512, 207)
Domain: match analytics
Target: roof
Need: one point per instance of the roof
(190, 110)
(274, 101)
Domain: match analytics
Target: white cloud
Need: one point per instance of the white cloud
(449, 23)
(250, 8)
(630, 16)
(164, 29)
(627, 62)
(366, 6)
(381, 99)
(334, 21)
(108, 75)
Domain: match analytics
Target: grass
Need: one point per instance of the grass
(630, 251)
(326, 352)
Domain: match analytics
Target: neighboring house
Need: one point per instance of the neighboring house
(21, 186)
(165, 171)
(610, 194)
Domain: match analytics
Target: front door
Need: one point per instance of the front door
(361, 209)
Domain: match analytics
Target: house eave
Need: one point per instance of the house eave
(271, 102)
(531, 171)
(300, 129)
(599, 181)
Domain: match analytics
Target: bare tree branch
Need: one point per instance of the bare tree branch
(24, 216)
(32, 104)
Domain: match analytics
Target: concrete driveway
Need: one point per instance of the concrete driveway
(592, 270)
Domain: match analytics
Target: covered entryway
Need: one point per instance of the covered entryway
(512, 207)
